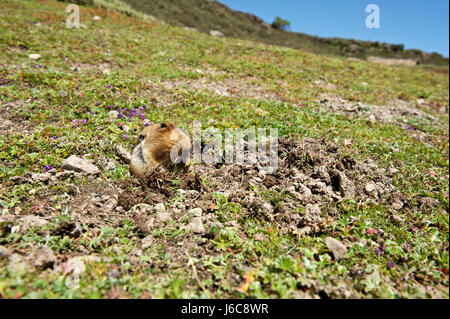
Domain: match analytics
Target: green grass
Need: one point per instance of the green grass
(49, 99)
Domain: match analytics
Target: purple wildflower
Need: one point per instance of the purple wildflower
(142, 116)
(146, 123)
(410, 128)
(47, 168)
(378, 251)
(121, 116)
(40, 65)
(54, 137)
(109, 86)
(92, 113)
(108, 107)
(391, 264)
(61, 94)
(83, 121)
(126, 136)
(97, 104)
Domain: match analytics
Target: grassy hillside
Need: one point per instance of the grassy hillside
(207, 15)
(363, 159)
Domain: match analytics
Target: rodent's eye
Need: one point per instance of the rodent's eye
(141, 138)
(163, 125)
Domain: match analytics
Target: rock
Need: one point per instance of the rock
(43, 258)
(346, 187)
(164, 217)
(146, 242)
(123, 154)
(76, 265)
(160, 208)
(260, 237)
(40, 177)
(336, 247)
(354, 47)
(355, 59)
(216, 33)
(268, 209)
(197, 212)
(74, 163)
(397, 205)
(96, 18)
(196, 226)
(189, 29)
(305, 193)
(312, 214)
(29, 221)
(371, 188)
(387, 61)
(34, 56)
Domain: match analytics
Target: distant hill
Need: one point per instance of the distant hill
(205, 15)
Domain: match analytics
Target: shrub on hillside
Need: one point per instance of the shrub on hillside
(79, 2)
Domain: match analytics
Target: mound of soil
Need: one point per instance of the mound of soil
(312, 176)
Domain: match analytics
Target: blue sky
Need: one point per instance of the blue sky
(418, 24)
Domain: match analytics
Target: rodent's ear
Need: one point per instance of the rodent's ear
(167, 125)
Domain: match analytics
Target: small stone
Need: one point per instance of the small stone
(76, 265)
(123, 154)
(40, 177)
(346, 187)
(160, 208)
(260, 237)
(370, 188)
(32, 221)
(397, 205)
(216, 33)
(74, 163)
(196, 226)
(146, 242)
(34, 56)
(268, 208)
(96, 18)
(43, 258)
(197, 212)
(337, 248)
(163, 216)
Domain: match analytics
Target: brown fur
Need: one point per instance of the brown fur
(154, 146)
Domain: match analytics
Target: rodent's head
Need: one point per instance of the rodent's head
(162, 143)
(156, 133)
(163, 135)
